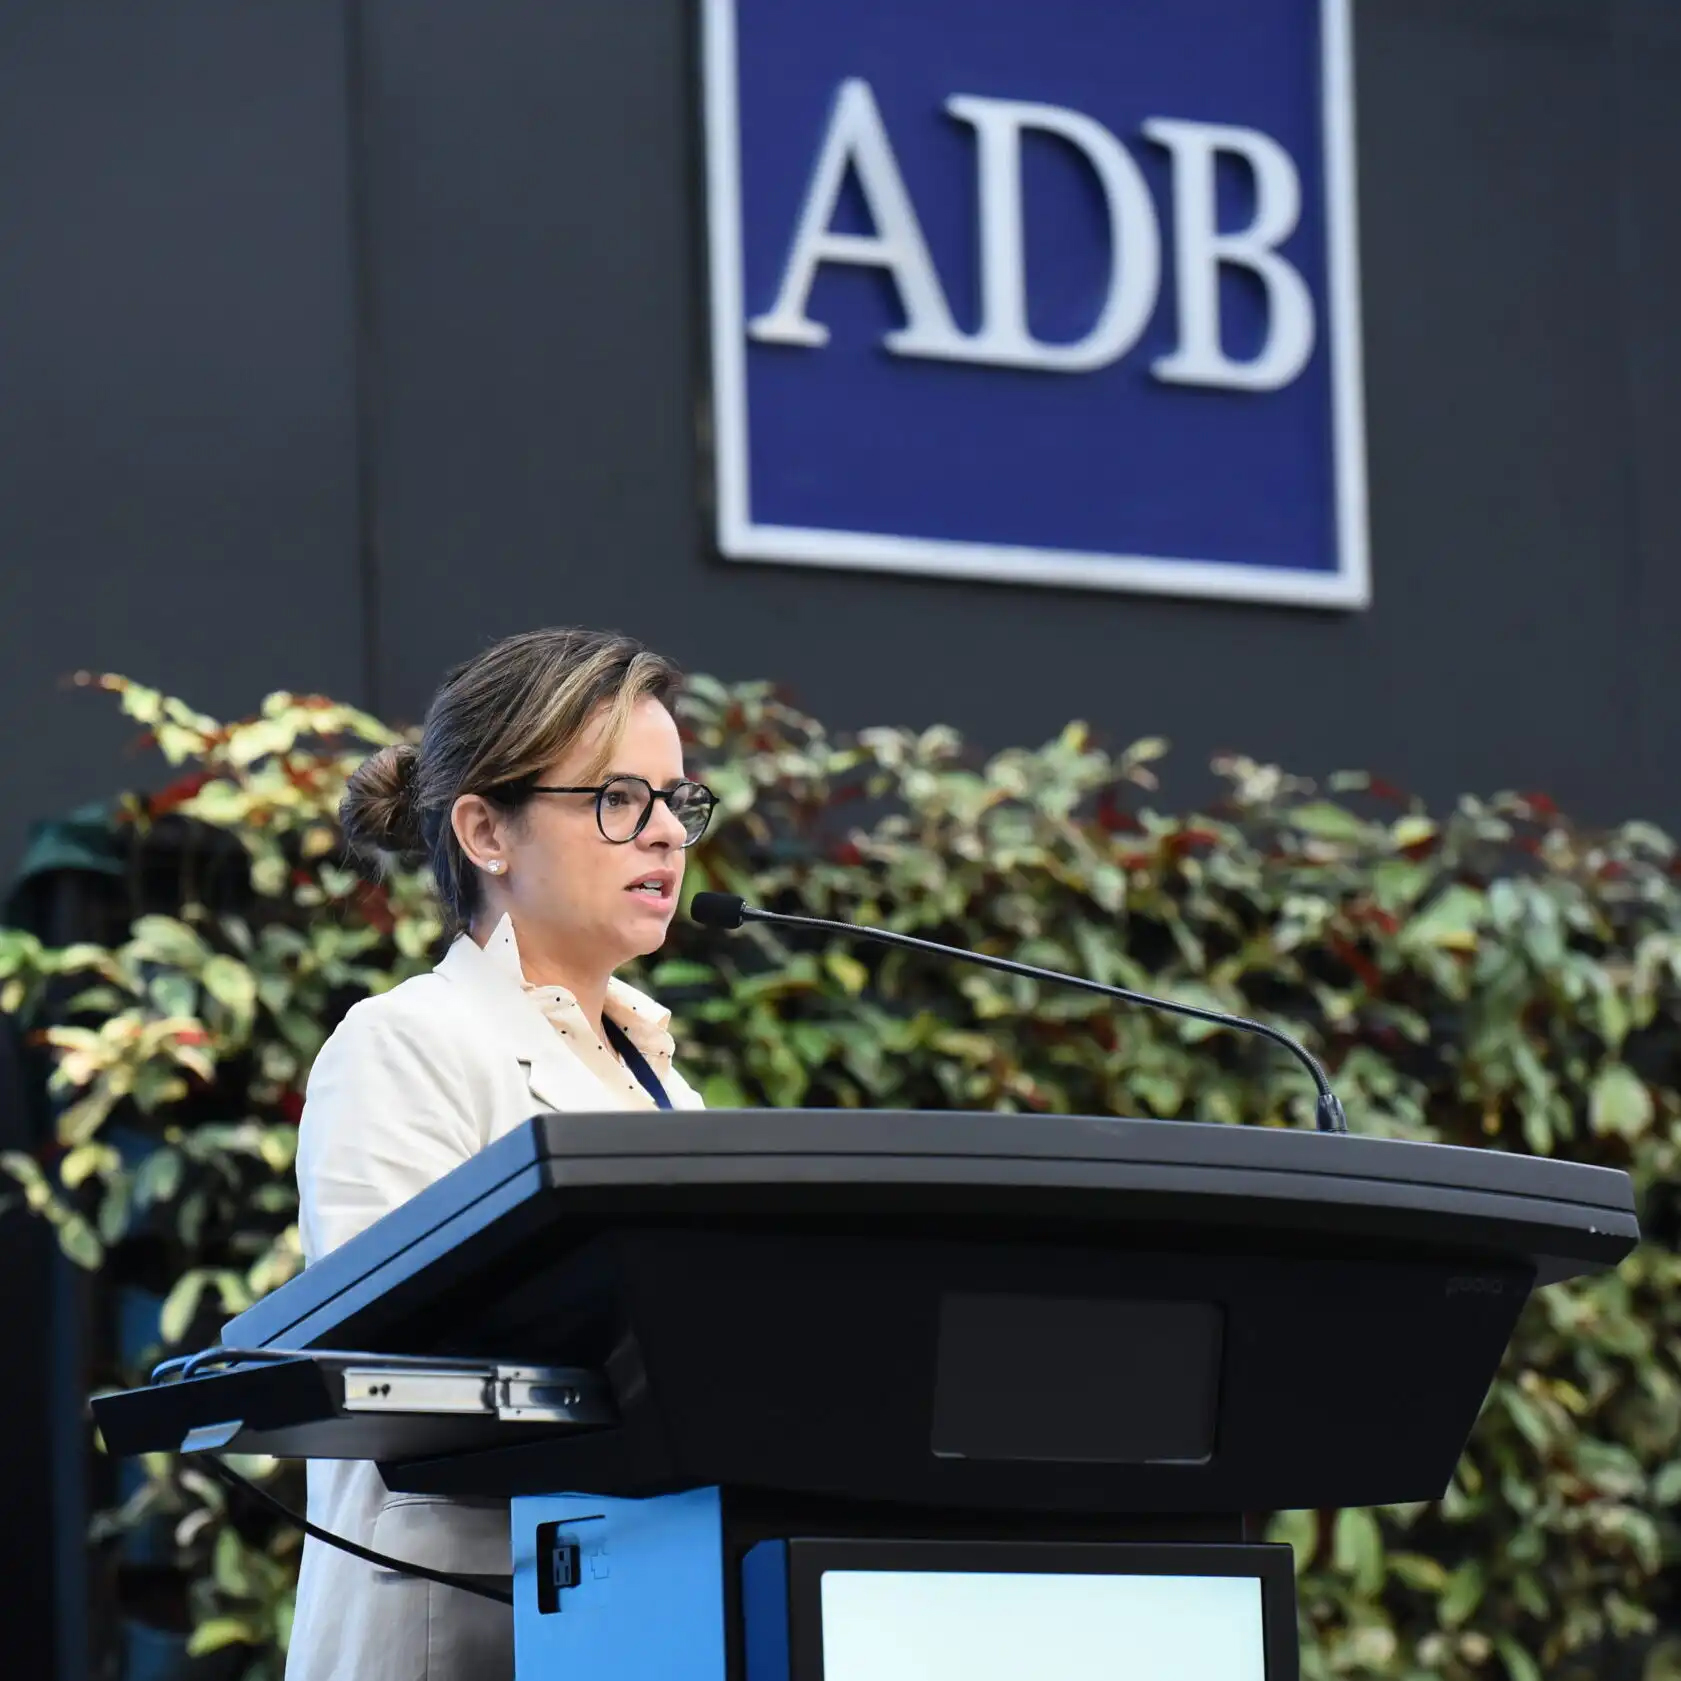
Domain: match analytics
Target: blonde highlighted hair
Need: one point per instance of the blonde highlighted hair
(496, 724)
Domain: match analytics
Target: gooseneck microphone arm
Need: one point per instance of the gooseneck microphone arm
(729, 910)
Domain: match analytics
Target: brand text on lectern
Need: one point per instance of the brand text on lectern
(1098, 326)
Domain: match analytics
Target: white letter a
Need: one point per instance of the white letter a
(858, 140)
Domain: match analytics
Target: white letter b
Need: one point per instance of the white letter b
(1200, 249)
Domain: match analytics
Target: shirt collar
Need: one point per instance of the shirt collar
(646, 1023)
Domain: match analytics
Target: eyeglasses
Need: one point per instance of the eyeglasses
(623, 805)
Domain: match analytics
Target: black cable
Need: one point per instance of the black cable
(467, 1584)
(185, 1366)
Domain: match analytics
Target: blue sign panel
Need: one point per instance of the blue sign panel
(1055, 291)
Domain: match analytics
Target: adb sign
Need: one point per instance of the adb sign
(1055, 291)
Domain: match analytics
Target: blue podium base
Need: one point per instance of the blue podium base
(631, 1590)
(646, 1590)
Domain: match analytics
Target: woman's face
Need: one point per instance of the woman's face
(575, 895)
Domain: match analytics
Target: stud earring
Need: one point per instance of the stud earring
(496, 866)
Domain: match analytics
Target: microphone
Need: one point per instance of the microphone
(730, 910)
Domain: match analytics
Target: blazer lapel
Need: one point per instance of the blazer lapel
(510, 1014)
(556, 1080)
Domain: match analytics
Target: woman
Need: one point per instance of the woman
(548, 794)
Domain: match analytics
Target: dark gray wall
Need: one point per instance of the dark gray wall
(337, 340)
(177, 418)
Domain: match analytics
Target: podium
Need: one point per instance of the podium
(803, 1395)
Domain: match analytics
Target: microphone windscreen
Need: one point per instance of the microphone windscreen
(718, 910)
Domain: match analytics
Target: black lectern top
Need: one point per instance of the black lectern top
(1003, 1313)
(559, 1179)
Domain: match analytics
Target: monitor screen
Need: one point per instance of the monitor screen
(1048, 1378)
(932, 1625)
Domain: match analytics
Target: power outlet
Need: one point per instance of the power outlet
(559, 1565)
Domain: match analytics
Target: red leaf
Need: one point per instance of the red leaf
(177, 793)
(1377, 916)
(1188, 840)
(1113, 818)
(1351, 957)
(375, 905)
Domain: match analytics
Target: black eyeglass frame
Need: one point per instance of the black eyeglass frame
(666, 794)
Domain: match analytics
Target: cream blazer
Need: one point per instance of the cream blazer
(411, 1084)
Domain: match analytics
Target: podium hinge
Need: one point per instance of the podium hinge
(553, 1395)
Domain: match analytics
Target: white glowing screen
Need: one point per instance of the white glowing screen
(916, 1625)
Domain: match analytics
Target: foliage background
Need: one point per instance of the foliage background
(1495, 976)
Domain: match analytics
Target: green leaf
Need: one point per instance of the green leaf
(683, 973)
(229, 1564)
(1325, 821)
(115, 1209)
(1357, 1549)
(1528, 1418)
(85, 1160)
(233, 986)
(278, 1147)
(721, 1091)
(1450, 921)
(1620, 1102)
(173, 994)
(158, 1177)
(1426, 1575)
(1663, 1662)
(168, 940)
(1145, 750)
(1299, 1531)
(846, 969)
(80, 1242)
(1463, 1594)
(1520, 1666)
(1530, 1596)
(1411, 830)
(181, 1304)
(83, 1119)
(1666, 1485)
(216, 1632)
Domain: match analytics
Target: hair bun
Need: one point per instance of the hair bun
(378, 812)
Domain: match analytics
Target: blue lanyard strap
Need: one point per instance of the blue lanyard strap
(637, 1063)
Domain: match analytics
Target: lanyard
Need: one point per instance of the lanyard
(637, 1063)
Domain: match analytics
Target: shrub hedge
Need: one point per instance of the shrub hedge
(1495, 975)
